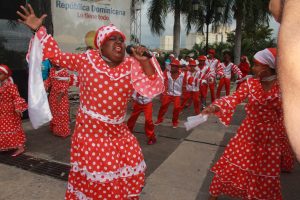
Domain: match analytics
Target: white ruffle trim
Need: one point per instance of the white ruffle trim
(82, 196)
(124, 172)
(104, 72)
(78, 194)
(102, 118)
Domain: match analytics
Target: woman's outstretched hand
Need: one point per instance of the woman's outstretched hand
(29, 18)
(210, 110)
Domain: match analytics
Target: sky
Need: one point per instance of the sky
(152, 40)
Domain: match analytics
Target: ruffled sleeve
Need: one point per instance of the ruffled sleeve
(52, 52)
(147, 86)
(228, 104)
(19, 103)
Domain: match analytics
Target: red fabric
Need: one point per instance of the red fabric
(203, 90)
(239, 84)
(175, 62)
(106, 159)
(226, 82)
(147, 110)
(212, 91)
(196, 100)
(191, 80)
(244, 68)
(251, 164)
(5, 69)
(202, 58)
(166, 100)
(12, 135)
(219, 70)
(60, 123)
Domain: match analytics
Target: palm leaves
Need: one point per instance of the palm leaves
(157, 14)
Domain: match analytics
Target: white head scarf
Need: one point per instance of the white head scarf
(267, 57)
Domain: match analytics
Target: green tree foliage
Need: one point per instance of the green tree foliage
(254, 39)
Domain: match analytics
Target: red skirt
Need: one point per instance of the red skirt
(12, 135)
(106, 162)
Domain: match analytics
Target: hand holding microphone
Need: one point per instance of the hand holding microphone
(141, 53)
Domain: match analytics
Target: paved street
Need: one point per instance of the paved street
(178, 165)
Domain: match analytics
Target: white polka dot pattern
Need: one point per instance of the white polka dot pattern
(60, 123)
(99, 147)
(11, 132)
(251, 164)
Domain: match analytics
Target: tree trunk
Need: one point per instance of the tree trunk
(176, 29)
(238, 36)
(206, 46)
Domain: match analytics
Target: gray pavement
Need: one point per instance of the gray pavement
(178, 165)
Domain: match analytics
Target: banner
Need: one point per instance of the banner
(75, 21)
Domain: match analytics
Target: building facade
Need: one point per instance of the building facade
(213, 37)
(166, 42)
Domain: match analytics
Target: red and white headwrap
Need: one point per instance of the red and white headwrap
(5, 69)
(266, 57)
(104, 32)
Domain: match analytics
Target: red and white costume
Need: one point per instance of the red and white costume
(172, 94)
(204, 78)
(142, 104)
(12, 135)
(106, 159)
(213, 65)
(192, 88)
(58, 83)
(227, 70)
(250, 166)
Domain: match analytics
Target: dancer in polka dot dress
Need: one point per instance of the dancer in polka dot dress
(58, 85)
(12, 105)
(250, 166)
(106, 159)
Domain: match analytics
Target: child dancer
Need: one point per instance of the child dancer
(228, 67)
(213, 64)
(143, 104)
(174, 83)
(106, 159)
(192, 86)
(250, 165)
(58, 84)
(12, 106)
(244, 67)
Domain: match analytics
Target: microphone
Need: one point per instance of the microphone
(146, 53)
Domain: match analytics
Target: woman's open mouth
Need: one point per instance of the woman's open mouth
(118, 49)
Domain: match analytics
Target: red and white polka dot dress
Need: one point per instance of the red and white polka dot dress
(106, 159)
(12, 135)
(251, 164)
(58, 82)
